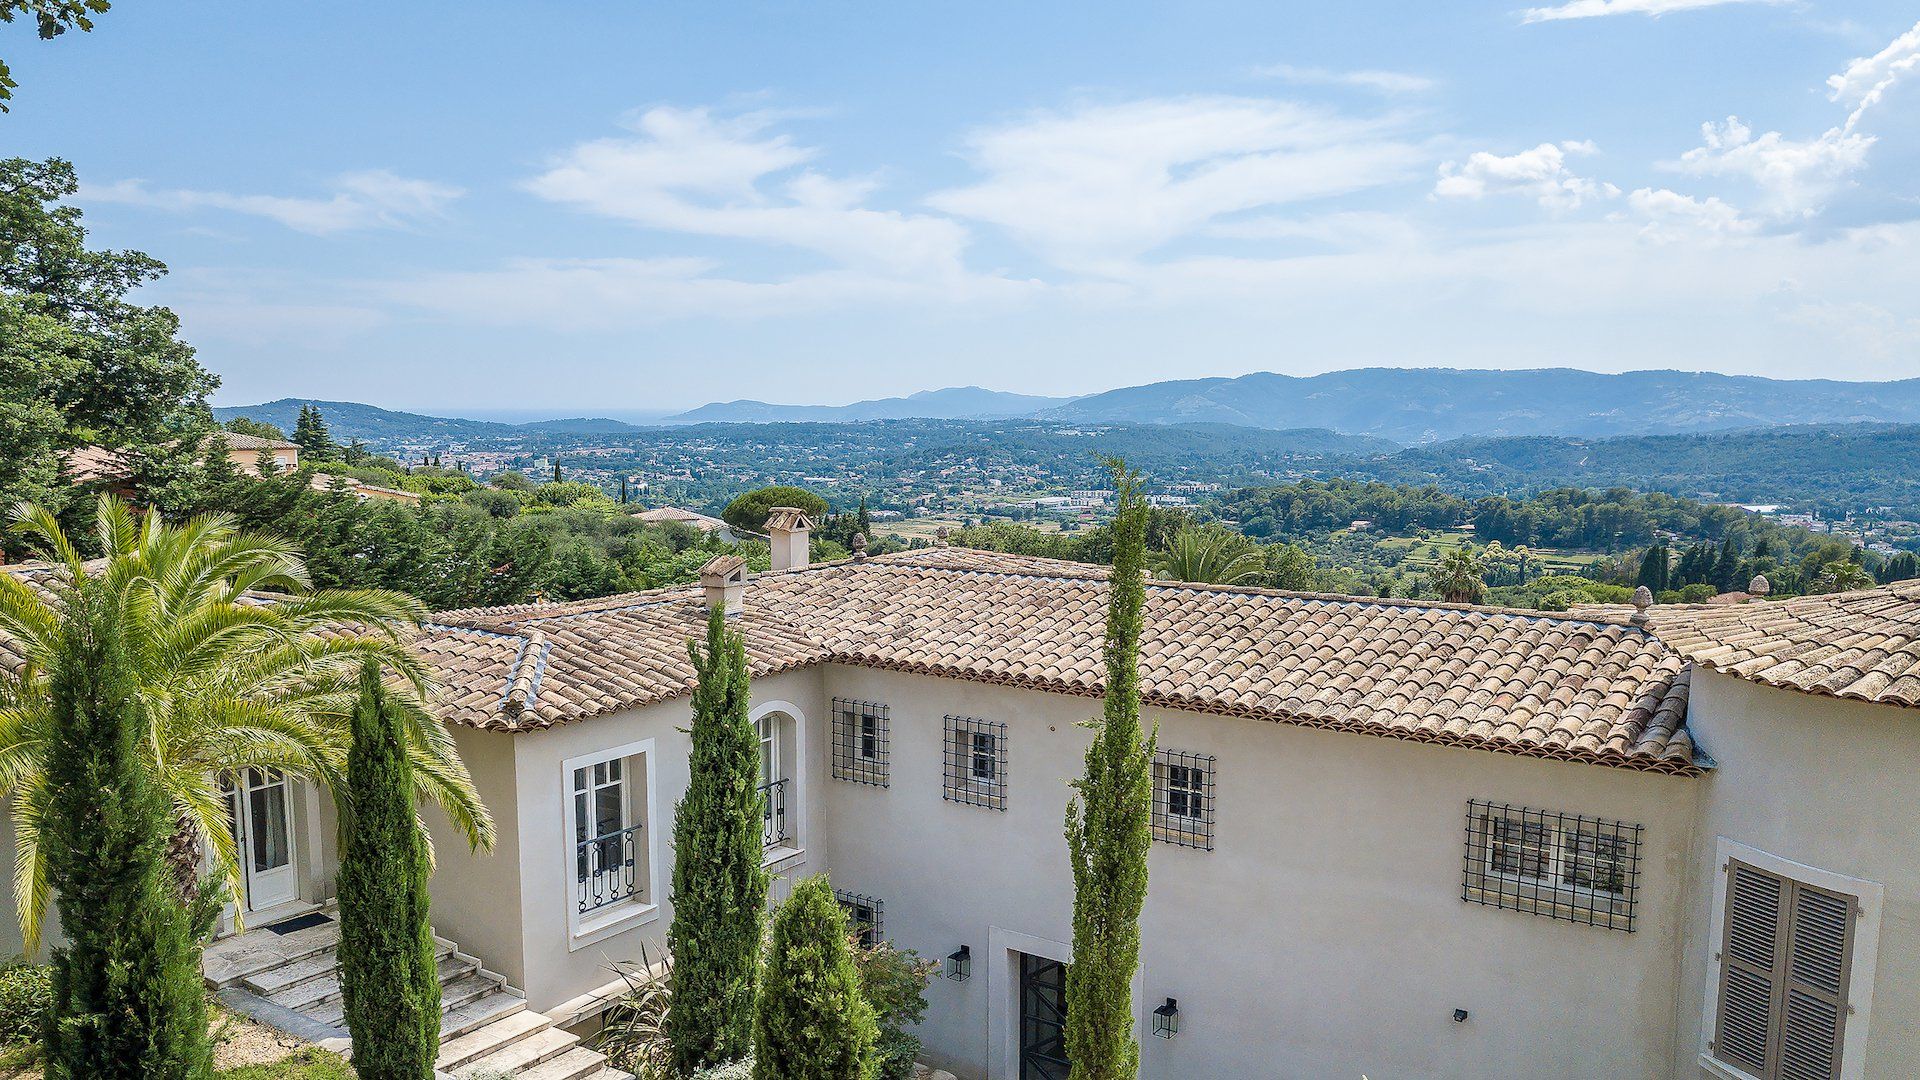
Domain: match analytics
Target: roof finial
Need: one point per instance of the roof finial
(1759, 586)
(940, 537)
(859, 547)
(1642, 600)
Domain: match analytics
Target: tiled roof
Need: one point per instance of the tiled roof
(1862, 645)
(1524, 683)
(237, 441)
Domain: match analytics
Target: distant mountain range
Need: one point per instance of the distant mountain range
(1408, 406)
(953, 403)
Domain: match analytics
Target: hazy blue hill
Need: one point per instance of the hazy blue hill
(1435, 404)
(352, 420)
(952, 403)
(586, 424)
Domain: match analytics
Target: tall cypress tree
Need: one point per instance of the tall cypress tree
(1109, 824)
(719, 884)
(128, 999)
(813, 1022)
(388, 978)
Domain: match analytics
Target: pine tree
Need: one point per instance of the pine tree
(1108, 825)
(812, 1023)
(719, 884)
(388, 977)
(127, 996)
(311, 435)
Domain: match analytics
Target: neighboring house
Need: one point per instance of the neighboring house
(664, 514)
(1392, 838)
(244, 451)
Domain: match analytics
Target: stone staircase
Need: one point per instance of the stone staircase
(486, 1028)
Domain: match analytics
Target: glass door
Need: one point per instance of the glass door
(1043, 1019)
(260, 807)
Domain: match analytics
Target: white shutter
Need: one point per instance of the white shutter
(1750, 968)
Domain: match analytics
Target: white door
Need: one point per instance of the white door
(262, 808)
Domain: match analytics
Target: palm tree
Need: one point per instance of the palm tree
(1211, 556)
(241, 665)
(1459, 576)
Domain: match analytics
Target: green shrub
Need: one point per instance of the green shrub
(25, 993)
(739, 1070)
(894, 1053)
(812, 1022)
(894, 982)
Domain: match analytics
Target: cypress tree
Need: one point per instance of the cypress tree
(388, 978)
(128, 998)
(812, 1023)
(719, 884)
(1109, 824)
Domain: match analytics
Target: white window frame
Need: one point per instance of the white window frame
(586, 928)
(779, 713)
(1866, 947)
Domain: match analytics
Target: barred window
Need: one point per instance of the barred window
(1183, 799)
(860, 742)
(1564, 866)
(976, 762)
(865, 916)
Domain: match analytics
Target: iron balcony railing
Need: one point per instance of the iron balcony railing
(606, 868)
(773, 814)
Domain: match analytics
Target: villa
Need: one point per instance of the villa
(1393, 838)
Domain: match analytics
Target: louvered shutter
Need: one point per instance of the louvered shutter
(1815, 1015)
(1751, 962)
(1784, 964)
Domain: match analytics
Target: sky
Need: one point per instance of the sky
(554, 209)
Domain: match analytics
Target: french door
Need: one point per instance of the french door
(1043, 1019)
(260, 807)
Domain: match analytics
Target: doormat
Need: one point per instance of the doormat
(312, 918)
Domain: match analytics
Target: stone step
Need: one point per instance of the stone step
(324, 989)
(316, 966)
(516, 1058)
(578, 1063)
(461, 1050)
(455, 990)
(478, 1013)
(230, 960)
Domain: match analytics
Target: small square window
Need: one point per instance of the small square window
(860, 742)
(976, 762)
(1183, 799)
(1563, 866)
(865, 916)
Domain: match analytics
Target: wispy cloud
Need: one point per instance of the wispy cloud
(697, 172)
(1091, 186)
(1387, 82)
(1593, 9)
(1867, 79)
(1540, 174)
(361, 200)
(1793, 176)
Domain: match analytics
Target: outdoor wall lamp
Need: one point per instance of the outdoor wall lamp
(960, 964)
(1166, 1020)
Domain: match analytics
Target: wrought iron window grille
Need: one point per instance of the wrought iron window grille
(976, 762)
(605, 868)
(1183, 799)
(1570, 867)
(773, 814)
(860, 742)
(866, 916)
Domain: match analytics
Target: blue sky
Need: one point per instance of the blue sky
(618, 207)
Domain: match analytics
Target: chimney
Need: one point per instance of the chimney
(788, 530)
(724, 580)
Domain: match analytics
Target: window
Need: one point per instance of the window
(773, 785)
(864, 916)
(1780, 999)
(1564, 866)
(609, 845)
(1183, 799)
(976, 762)
(860, 742)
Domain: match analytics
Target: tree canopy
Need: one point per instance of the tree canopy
(748, 511)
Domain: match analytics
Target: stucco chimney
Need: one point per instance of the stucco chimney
(788, 532)
(724, 580)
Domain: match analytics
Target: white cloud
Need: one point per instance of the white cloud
(1672, 217)
(1103, 184)
(1590, 9)
(1540, 173)
(364, 200)
(1387, 82)
(1795, 176)
(690, 171)
(1868, 78)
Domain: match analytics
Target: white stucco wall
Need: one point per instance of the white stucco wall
(1324, 936)
(475, 896)
(1833, 785)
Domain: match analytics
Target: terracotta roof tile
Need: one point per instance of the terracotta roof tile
(1519, 682)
